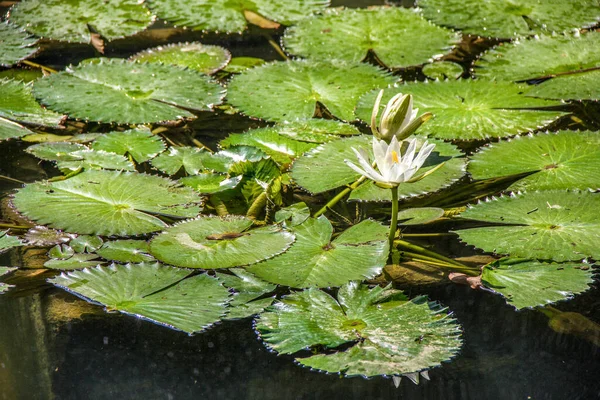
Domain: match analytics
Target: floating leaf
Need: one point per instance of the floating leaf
(530, 283)
(470, 109)
(286, 91)
(419, 216)
(214, 242)
(387, 333)
(582, 86)
(140, 143)
(114, 90)
(537, 57)
(18, 104)
(55, 151)
(204, 58)
(3, 271)
(506, 19)
(562, 160)
(315, 259)
(239, 64)
(61, 252)
(25, 75)
(443, 70)
(293, 215)
(225, 159)
(71, 20)
(280, 147)
(43, 236)
(229, 16)
(107, 203)
(248, 288)
(86, 243)
(316, 130)
(546, 225)
(94, 159)
(7, 241)
(158, 293)
(126, 250)
(76, 261)
(191, 159)
(211, 183)
(15, 44)
(10, 130)
(349, 34)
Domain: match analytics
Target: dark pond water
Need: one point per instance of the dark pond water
(55, 346)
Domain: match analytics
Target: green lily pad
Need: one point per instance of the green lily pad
(530, 283)
(107, 203)
(223, 160)
(293, 215)
(389, 32)
(86, 243)
(126, 250)
(124, 92)
(228, 16)
(549, 225)
(506, 19)
(281, 148)
(537, 57)
(315, 259)
(140, 143)
(316, 130)
(563, 160)
(581, 86)
(7, 241)
(11, 130)
(3, 271)
(55, 151)
(386, 333)
(191, 159)
(25, 75)
(94, 159)
(239, 64)
(419, 216)
(443, 70)
(165, 295)
(210, 183)
(286, 91)
(76, 261)
(15, 44)
(204, 58)
(71, 20)
(18, 104)
(215, 242)
(248, 288)
(470, 109)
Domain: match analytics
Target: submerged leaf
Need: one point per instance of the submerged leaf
(548, 225)
(286, 91)
(165, 295)
(387, 334)
(315, 259)
(115, 90)
(248, 289)
(3, 271)
(15, 44)
(530, 283)
(71, 20)
(107, 203)
(213, 242)
(349, 34)
(204, 58)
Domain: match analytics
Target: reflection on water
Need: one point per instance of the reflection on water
(91, 355)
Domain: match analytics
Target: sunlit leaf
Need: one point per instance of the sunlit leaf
(191, 159)
(204, 58)
(76, 261)
(420, 215)
(239, 64)
(18, 104)
(386, 333)
(443, 70)
(581, 86)
(126, 250)
(15, 44)
(10, 129)
(86, 243)
(165, 295)
(211, 182)
(140, 143)
(247, 288)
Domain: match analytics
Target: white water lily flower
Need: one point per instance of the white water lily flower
(398, 119)
(393, 168)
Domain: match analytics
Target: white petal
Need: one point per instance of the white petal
(425, 151)
(379, 149)
(409, 155)
(364, 162)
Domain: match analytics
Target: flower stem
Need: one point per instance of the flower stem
(423, 251)
(394, 222)
(340, 196)
(439, 263)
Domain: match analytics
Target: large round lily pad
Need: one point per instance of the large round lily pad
(530, 283)
(15, 44)
(215, 242)
(381, 331)
(509, 18)
(285, 91)
(349, 34)
(18, 104)
(548, 225)
(537, 57)
(232, 16)
(204, 58)
(316, 259)
(165, 295)
(115, 90)
(107, 203)
(563, 160)
(71, 20)
(470, 109)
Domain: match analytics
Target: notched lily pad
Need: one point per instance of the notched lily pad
(107, 203)
(8, 241)
(165, 295)
(191, 159)
(126, 251)
(115, 90)
(286, 91)
(248, 289)
(315, 259)
(204, 58)
(18, 104)
(139, 143)
(548, 225)
(210, 183)
(15, 44)
(529, 283)
(383, 332)
(214, 242)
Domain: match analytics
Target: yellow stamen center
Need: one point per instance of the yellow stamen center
(395, 157)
